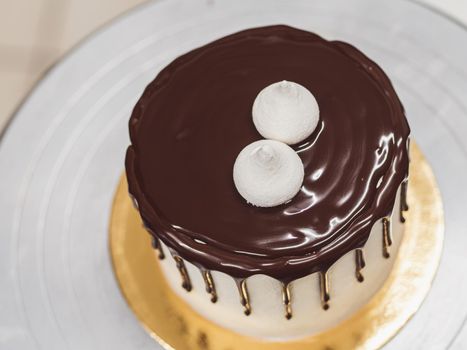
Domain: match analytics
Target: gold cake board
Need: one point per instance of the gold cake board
(172, 323)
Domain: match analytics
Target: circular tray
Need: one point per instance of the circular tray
(62, 156)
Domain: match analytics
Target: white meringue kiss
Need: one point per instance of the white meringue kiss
(285, 111)
(268, 173)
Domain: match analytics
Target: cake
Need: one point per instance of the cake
(262, 267)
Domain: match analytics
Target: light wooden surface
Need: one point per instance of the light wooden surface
(35, 33)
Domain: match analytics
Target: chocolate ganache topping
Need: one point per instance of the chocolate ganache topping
(195, 117)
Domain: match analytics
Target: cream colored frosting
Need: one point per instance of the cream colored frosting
(285, 111)
(268, 319)
(268, 173)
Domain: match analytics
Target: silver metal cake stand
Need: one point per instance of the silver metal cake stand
(62, 156)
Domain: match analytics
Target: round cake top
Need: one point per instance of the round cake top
(196, 116)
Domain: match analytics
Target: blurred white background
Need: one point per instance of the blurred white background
(36, 33)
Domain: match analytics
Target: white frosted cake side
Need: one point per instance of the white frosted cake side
(309, 315)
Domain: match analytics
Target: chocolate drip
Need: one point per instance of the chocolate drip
(134, 201)
(387, 240)
(360, 264)
(156, 244)
(184, 145)
(324, 289)
(186, 282)
(286, 298)
(209, 283)
(403, 200)
(244, 297)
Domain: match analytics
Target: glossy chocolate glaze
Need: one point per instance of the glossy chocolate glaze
(195, 117)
